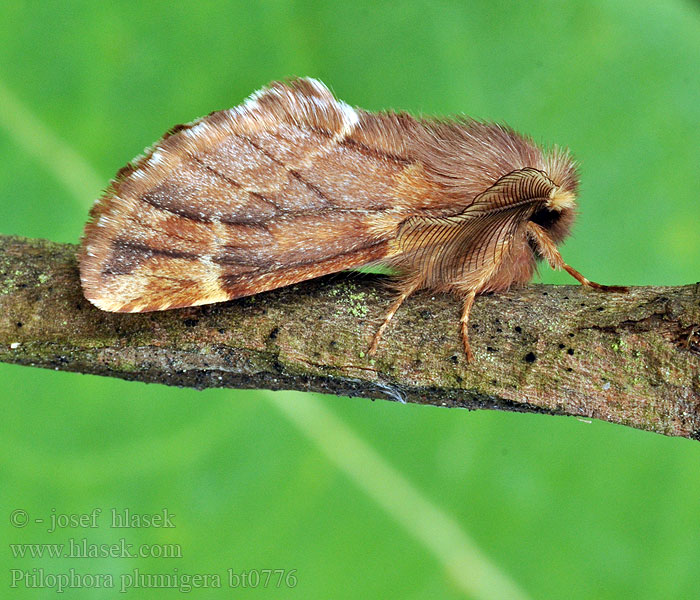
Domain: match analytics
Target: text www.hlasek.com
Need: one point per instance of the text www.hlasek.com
(84, 549)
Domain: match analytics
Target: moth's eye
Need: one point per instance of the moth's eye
(546, 217)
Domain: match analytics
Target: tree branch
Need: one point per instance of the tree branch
(629, 358)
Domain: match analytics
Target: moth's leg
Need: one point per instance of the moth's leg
(464, 324)
(549, 251)
(390, 314)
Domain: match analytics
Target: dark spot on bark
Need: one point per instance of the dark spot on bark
(600, 309)
(561, 346)
(569, 369)
(530, 357)
(19, 324)
(190, 322)
(571, 335)
(499, 330)
(222, 331)
(570, 351)
(426, 314)
(518, 329)
(274, 333)
(454, 359)
(490, 349)
(333, 345)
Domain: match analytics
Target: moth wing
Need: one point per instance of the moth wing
(263, 195)
(465, 249)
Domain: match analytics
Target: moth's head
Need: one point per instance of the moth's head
(559, 211)
(561, 199)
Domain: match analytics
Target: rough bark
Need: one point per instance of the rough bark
(628, 358)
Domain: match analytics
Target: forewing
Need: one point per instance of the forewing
(278, 190)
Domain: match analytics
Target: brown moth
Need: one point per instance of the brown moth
(294, 184)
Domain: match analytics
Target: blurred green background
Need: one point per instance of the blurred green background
(363, 499)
